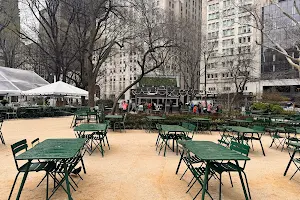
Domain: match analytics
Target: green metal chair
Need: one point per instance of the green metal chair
(296, 161)
(219, 168)
(20, 147)
(1, 135)
(291, 135)
(163, 140)
(277, 138)
(120, 123)
(225, 136)
(197, 173)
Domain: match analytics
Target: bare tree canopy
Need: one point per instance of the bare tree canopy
(152, 38)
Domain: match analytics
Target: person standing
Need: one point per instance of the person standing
(209, 106)
(171, 107)
(179, 106)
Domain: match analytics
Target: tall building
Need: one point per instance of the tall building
(276, 73)
(122, 69)
(230, 35)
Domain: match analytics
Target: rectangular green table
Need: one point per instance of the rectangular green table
(152, 121)
(58, 149)
(174, 129)
(99, 128)
(202, 122)
(241, 121)
(209, 151)
(296, 149)
(114, 119)
(242, 131)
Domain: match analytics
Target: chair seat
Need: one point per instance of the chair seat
(38, 166)
(193, 159)
(224, 167)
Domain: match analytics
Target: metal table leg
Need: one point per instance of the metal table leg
(67, 181)
(205, 183)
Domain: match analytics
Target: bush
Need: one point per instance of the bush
(267, 107)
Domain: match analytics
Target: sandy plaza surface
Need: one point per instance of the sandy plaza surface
(132, 169)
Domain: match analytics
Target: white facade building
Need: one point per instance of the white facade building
(122, 68)
(228, 26)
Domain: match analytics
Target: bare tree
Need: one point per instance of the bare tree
(188, 55)
(289, 23)
(153, 39)
(9, 42)
(240, 71)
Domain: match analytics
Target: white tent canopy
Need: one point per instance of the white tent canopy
(14, 81)
(56, 89)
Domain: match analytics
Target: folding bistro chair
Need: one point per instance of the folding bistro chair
(197, 173)
(225, 136)
(291, 135)
(277, 139)
(1, 135)
(121, 123)
(18, 148)
(219, 168)
(162, 140)
(296, 162)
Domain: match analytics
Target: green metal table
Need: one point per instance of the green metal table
(153, 120)
(242, 131)
(209, 151)
(59, 149)
(296, 149)
(202, 122)
(97, 129)
(174, 129)
(241, 121)
(1, 134)
(114, 119)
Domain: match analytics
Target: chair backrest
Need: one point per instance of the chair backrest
(17, 148)
(35, 142)
(185, 125)
(192, 127)
(241, 148)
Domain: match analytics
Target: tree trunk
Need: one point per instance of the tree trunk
(91, 89)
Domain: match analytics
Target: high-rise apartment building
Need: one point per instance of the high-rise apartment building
(230, 34)
(122, 69)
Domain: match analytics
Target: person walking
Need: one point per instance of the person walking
(171, 107)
